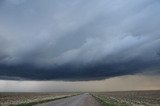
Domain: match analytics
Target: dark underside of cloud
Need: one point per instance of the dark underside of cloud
(70, 72)
(78, 39)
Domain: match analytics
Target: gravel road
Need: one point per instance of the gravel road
(80, 100)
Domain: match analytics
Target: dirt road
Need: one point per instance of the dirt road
(80, 100)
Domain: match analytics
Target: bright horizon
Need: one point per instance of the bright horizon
(123, 83)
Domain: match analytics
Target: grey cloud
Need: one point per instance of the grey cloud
(80, 40)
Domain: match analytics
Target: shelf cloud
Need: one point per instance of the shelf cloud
(78, 40)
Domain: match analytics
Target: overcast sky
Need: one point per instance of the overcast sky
(78, 40)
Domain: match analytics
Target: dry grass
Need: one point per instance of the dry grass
(132, 98)
(25, 98)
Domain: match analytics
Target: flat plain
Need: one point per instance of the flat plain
(118, 98)
(129, 98)
(18, 99)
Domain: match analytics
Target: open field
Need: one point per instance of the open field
(129, 98)
(120, 98)
(25, 98)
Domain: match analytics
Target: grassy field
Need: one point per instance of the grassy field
(28, 99)
(129, 98)
(125, 98)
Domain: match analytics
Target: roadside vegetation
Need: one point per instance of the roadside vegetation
(30, 99)
(105, 102)
(39, 102)
(129, 98)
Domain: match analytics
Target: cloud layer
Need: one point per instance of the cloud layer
(78, 40)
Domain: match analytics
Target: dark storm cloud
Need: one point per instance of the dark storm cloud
(78, 40)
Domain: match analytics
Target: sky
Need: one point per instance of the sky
(122, 83)
(72, 42)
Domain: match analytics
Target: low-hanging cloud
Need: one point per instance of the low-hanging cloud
(78, 40)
